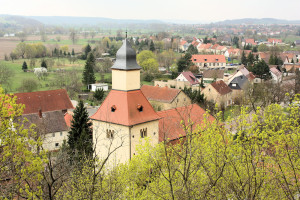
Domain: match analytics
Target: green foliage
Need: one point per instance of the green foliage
(24, 66)
(87, 50)
(88, 76)
(250, 59)
(29, 85)
(192, 50)
(80, 135)
(99, 94)
(275, 60)
(152, 47)
(44, 64)
(184, 62)
(194, 95)
(262, 70)
(263, 48)
(244, 59)
(147, 60)
(21, 158)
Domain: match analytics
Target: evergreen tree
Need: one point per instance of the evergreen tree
(44, 64)
(73, 52)
(87, 50)
(293, 61)
(250, 58)
(99, 94)
(192, 50)
(80, 135)
(262, 70)
(88, 72)
(184, 62)
(254, 49)
(244, 59)
(152, 48)
(24, 66)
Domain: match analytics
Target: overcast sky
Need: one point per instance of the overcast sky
(197, 10)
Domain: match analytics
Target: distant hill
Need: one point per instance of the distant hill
(267, 21)
(17, 22)
(74, 21)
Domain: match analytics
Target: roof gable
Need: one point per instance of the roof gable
(221, 87)
(190, 77)
(162, 94)
(50, 100)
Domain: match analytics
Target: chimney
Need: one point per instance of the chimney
(40, 113)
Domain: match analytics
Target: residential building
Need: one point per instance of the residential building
(210, 61)
(164, 98)
(98, 86)
(188, 77)
(212, 75)
(276, 75)
(274, 41)
(219, 93)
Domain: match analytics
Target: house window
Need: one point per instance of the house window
(217, 59)
(195, 59)
(113, 108)
(56, 144)
(60, 133)
(110, 133)
(143, 132)
(233, 85)
(209, 89)
(205, 59)
(53, 134)
(184, 99)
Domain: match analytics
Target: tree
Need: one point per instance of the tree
(29, 85)
(6, 74)
(22, 36)
(194, 95)
(263, 48)
(24, 66)
(262, 70)
(80, 135)
(87, 50)
(250, 59)
(152, 48)
(192, 50)
(99, 94)
(44, 64)
(184, 62)
(73, 52)
(244, 59)
(22, 159)
(21, 49)
(73, 36)
(147, 60)
(88, 76)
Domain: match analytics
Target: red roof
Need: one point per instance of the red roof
(221, 87)
(205, 46)
(163, 94)
(215, 46)
(183, 42)
(271, 40)
(190, 77)
(125, 106)
(50, 100)
(170, 127)
(68, 118)
(208, 59)
(250, 41)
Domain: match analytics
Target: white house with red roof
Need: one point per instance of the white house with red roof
(209, 61)
(188, 77)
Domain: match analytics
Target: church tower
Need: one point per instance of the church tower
(126, 117)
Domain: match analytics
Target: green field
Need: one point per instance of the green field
(64, 42)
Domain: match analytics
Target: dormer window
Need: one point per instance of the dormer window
(217, 59)
(113, 108)
(140, 108)
(195, 59)
(205, 59)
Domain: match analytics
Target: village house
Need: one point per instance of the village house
(219, 93)
(210, 61)
(46, 109)
(249, 42)
(276, 75)
(233, 53)
(274, 41)
(184, 45)
(164, 98)
(212, 75)
(98, 86)
(204, 48)
(126, 117)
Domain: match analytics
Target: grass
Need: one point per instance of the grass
(19, 75)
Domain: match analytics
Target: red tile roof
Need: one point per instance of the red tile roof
(163, 94)
(68, 118)
(50, 100)
(183, 42)
(271, 40)
(190, 77)
(221, 87)
(208, 59)
(215, 46)
(126, 108)
(170, 127)
(250, 41)
(205, 46)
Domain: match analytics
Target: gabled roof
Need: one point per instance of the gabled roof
(49, 122)
(208, 59)
(221, 87)
(190, 77)
(126, 58)
(214, 73)
(170, 127)
(68, 118)
(50, 100)
(275, 71)
(162, 94)
(240, 82)
(121, 107)
(183, 42)
(205, 46)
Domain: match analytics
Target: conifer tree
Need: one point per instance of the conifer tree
(152, 48)
(99, 94)
(88, 72)
(244, 59)
(80, 135)
(87, 50)
(24, 66)
(73, 52)
(262, 70)
(44, 64)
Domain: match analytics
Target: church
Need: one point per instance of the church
(126, 118)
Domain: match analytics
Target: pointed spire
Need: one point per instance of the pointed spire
(126, 58)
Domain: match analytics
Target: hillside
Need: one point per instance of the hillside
(17, 22)
(267, 21)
